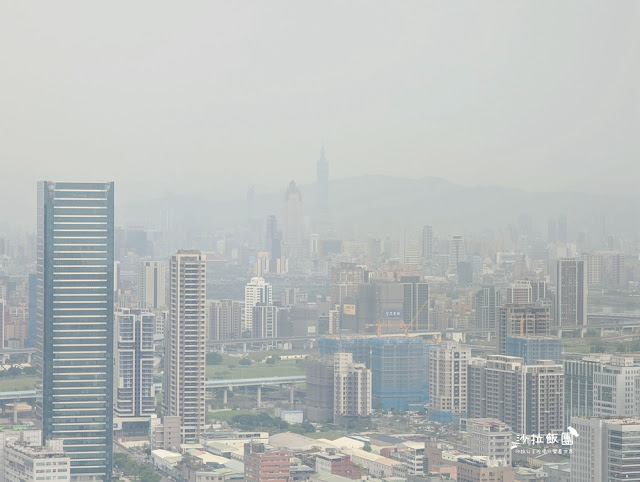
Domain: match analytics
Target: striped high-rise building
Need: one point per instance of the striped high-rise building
(185, 345)
(75, 322)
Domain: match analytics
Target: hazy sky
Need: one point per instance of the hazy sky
(214, 95)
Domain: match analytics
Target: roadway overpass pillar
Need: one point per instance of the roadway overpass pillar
(259, 396)
(224, 397)
(292, 390)
(15, 412)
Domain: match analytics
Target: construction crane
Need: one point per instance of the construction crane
(379, 327)
(406, 327)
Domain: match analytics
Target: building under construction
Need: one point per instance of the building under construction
(399, 368)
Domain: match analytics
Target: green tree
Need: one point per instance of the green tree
(214, 358)
(272, 360)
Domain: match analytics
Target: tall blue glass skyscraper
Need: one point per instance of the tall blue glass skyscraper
(75, 322)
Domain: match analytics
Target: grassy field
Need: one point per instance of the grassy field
(577, 348)
(227, 415)
(26, 382)
(619, 302)
(231, 369)
(333, 435)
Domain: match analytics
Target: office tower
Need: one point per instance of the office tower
(528, 398)
(571, 293)
(448, 378)
(519, 293)
(562, 229)
(538, 291)
(264, 321)
(151, 285)
(256, 291)
(33, 310)
(322, 184)
(185, 348)
(116, 282)
(427, 242)
(612, 395)
(261, 264)
(578, 385)
(262, 464)
(74, 357)
(320, 382)
(489, 437)
(465, 273)
(292, 222)
(302, 320)
(488, 303)
(134, 395)
(412, 253)
(314, 245)
(521, 320)
(456, 252)
(345, 281)
(225, 320)
(415, 303)
(351, 389)
(532, 348)
(398, 373)
(273, 243)
(605, 450)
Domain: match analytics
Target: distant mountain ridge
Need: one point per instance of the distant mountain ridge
(378, 204)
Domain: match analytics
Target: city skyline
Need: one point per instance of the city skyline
(320, 241)
(550, 106)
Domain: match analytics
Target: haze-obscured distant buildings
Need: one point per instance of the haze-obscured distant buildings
(571, 293)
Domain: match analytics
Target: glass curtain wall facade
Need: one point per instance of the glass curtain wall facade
(75, 322)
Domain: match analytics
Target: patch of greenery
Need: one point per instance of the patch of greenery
(267, 423)
(133, 468)
(19, 383)
(214, 358)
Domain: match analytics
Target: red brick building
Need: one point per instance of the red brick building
(261, 464)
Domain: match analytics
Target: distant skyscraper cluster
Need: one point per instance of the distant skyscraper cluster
(509, 334)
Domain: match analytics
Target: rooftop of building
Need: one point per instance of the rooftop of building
(379, 459)
(344, 442)
(297, 442)
(166, 454)
(38, 451)
(325, 477)
(490, 422)
(412, 445)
